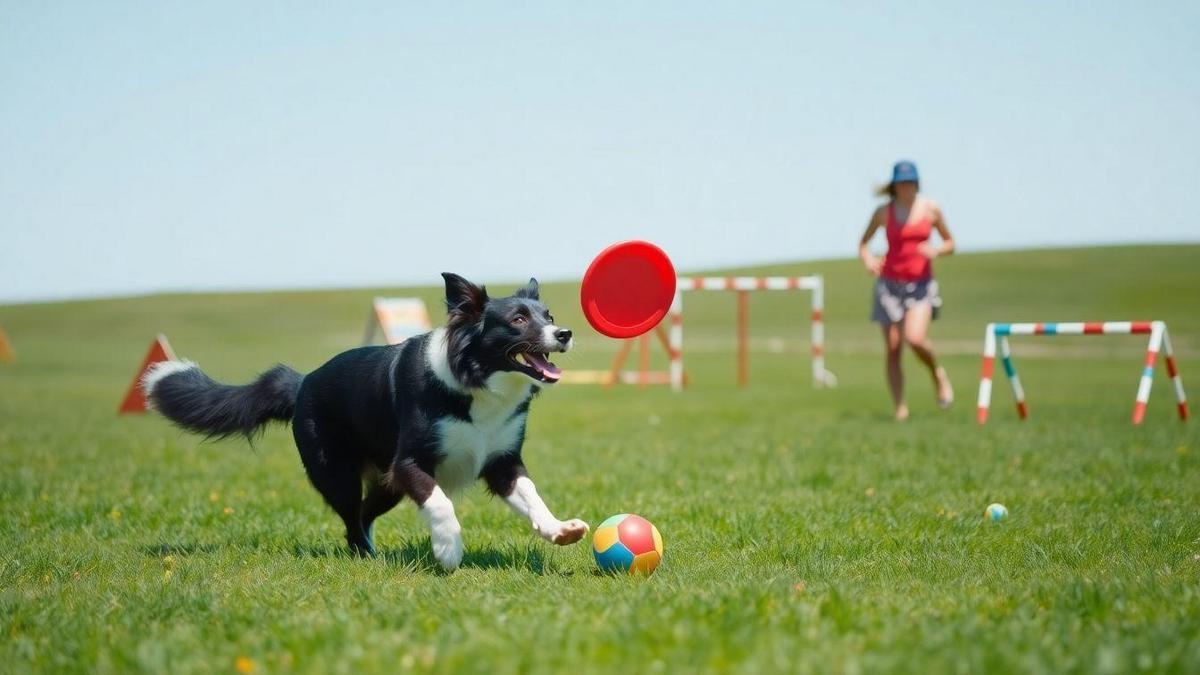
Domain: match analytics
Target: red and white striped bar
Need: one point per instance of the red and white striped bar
(749, 283)
(814, 283)
(1160, 340)
(1075, 328)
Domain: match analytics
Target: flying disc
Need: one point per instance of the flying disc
(628, 289)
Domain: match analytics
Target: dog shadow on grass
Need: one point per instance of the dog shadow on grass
(417, 555)
(179, 549)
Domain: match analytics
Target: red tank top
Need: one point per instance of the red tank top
(903, 261)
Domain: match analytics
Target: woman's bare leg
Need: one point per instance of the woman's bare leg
(893, 340)
(916, 334)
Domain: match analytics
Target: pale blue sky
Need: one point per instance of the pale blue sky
(190, 146)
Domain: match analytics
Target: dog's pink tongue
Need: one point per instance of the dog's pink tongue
(547, 369)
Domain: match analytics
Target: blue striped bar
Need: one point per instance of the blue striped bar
(1008, 367)
(1148, 372)
(1002, 328)
(1050, 329)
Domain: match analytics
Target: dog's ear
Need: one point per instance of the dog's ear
(463, 296)
(530, 290)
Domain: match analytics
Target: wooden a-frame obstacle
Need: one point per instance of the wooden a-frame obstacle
(397, 318)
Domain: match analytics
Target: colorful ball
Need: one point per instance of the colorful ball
(627, 543)
(995, 512)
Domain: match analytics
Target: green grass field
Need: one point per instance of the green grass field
(804, 530)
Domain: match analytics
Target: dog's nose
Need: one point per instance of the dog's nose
(563, 335)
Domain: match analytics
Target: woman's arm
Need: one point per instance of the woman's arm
(873, 264)
(947, 245)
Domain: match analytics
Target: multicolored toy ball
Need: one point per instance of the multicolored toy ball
(627, 543)
(995, 512)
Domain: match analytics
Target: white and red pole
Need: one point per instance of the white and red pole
(1173, 373)
(1014, 381)
(985, 374)
(1147, 379)
(821, 377)
(675, 343)
(743, 349)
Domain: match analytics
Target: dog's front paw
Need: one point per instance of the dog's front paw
(447, 545)
(444, 530)
(565, 532)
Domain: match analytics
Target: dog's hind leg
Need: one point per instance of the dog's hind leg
(341, 487)
(337, 474)
(379, 500)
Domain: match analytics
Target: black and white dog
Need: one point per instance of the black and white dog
(421, 419)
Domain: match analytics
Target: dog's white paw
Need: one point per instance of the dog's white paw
(444, 530)
(564, 532)
(447, 545)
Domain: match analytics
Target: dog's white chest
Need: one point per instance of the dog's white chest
(494, 428)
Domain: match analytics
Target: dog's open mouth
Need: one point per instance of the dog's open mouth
(538, 366)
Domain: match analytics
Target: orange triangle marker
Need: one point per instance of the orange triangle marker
(135, 401)
(7, 355)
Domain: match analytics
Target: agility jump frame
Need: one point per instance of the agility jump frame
(1160, 340)
(617, 374)
(743, 286)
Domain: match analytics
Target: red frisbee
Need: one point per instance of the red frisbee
(628, 289)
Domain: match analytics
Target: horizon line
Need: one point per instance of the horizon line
(239, 290)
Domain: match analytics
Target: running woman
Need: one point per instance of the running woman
(906, 294)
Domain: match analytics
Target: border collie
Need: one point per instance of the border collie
(421, 419)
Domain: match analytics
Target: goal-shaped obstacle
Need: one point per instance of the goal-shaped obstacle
(617, 374)
(743, 286)
(1160, 340)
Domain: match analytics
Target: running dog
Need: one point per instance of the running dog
(422, 419)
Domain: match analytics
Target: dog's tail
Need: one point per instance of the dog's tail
(192, 400)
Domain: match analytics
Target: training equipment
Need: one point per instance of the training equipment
(627, 543)
(995, 512)
(672, 343)
(135, 401)
(616, 374)
(398, 318)
(7, 355)
(743, 286)
(627, 289)
(999, 332)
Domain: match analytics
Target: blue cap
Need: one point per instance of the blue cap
(905, 172)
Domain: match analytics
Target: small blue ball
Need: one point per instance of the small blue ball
(995, 513)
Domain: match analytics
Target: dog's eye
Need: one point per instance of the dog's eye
(518, 320)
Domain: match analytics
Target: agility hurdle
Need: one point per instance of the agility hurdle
(617, 374)
(743, 286)
(997, 333)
